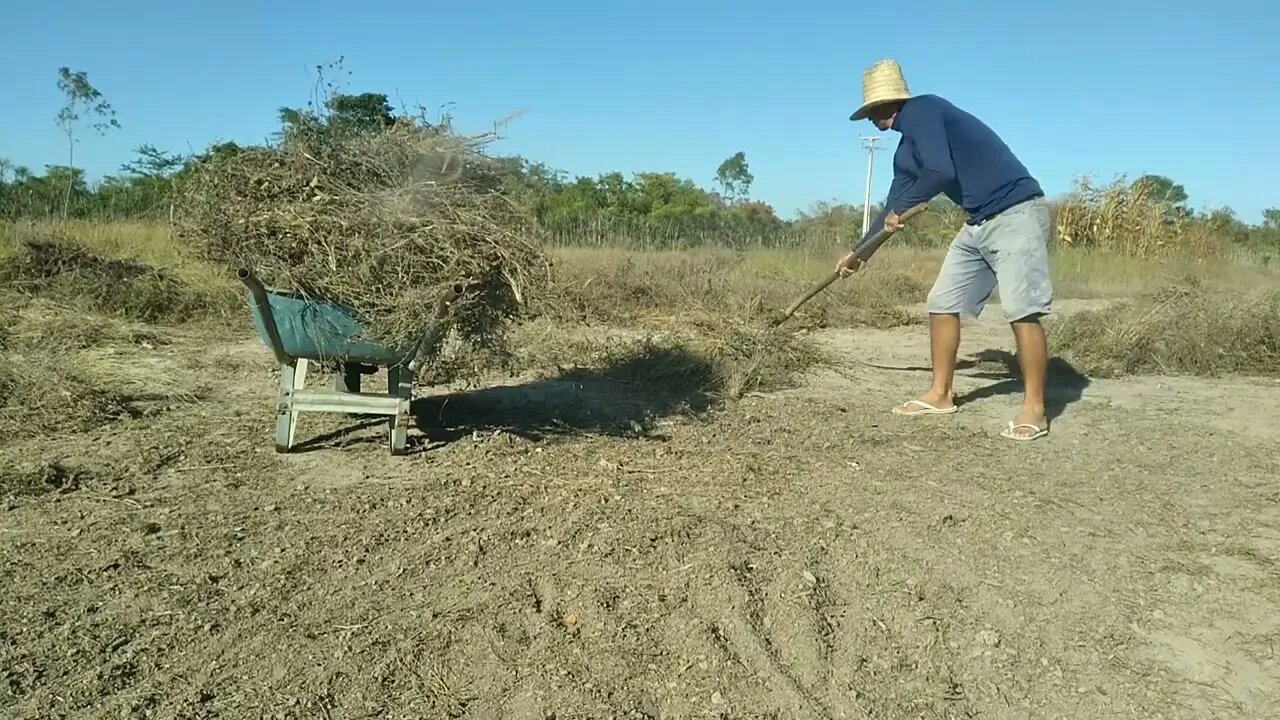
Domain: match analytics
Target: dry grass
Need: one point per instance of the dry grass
(717, 359)
(59, 269)
(622, 287)
(378, 222)
(709, 304)
(1125, 218)
(131, 271)
(63, 368)
(1103, 273)
(55, 326)
(150, 244)
(1185, 328)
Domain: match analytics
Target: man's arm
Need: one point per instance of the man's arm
(929, 136)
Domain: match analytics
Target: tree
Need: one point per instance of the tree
(341, 114)
(1162, 189)
(83, 99)
(366, 111)
(151, 175)
(153, 162)
(1271, 218)
(734, 176)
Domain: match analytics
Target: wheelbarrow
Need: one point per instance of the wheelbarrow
(301, 330)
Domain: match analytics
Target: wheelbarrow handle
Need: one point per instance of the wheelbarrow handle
(259, 295)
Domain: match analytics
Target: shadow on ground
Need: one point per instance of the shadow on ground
(1064, 384)
(625, 398)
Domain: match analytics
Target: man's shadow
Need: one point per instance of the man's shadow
(1064, 384)
(626, 397)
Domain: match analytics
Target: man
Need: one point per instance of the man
(1004, 241)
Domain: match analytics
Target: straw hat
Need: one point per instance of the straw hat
(881, 83)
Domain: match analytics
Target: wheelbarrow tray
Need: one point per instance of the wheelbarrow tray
(323, 331)
(299, 330)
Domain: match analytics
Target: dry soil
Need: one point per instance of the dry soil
(574, 547)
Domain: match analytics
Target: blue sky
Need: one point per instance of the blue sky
(1184, 89)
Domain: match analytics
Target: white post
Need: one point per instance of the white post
(869, 143)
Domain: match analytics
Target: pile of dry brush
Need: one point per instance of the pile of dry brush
(1187, 327)
(381, 221)
(59, 267)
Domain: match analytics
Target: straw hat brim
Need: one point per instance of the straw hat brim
(862, 112)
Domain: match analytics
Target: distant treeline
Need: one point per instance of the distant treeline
(650, 209)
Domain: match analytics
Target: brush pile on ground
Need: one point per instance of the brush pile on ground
(382, 222)
(58, 267)
(710, 358)
(66, 369)
(1186, 328)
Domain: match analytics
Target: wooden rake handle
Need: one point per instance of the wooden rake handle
(870, 247)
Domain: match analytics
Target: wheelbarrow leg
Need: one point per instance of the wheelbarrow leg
(293, 376)
(400, 386)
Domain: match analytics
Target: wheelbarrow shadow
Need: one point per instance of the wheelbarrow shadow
(626, 398)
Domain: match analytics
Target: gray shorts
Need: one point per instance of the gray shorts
(1012, 250)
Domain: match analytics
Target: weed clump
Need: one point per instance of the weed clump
(57, 267)
(1184, 328)
(64, 369)
(715, 358)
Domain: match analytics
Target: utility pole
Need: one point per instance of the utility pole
(868, 142)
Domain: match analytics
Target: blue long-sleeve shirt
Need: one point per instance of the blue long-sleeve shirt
(946, 150)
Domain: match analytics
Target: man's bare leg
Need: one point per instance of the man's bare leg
(1033, 358)
(944, 343)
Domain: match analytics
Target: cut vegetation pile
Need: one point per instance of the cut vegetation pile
(59, 267)
(77, 335)
(1186, 328)
(64, 370)
(712, 358)
(382, 222)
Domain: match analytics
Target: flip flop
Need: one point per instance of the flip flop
(925, 409)
(1010, 433)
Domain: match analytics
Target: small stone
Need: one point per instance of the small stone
(717, 698)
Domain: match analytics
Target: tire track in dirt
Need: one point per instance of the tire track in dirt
(822, 604)
(754, 608)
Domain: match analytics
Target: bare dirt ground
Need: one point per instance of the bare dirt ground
(574, 547)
